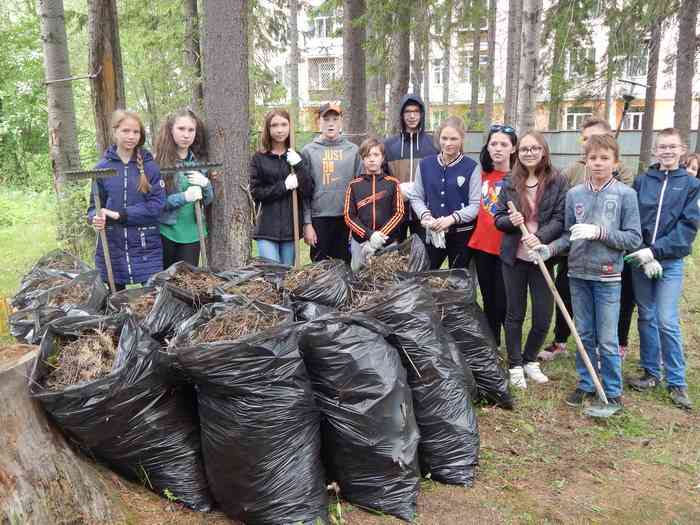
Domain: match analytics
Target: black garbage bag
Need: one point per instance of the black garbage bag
(35, 284)
(61, 261)
(167, 314)
(414, 249)
(204, 285)
(130, 300)
(439, 380)
(329, 285)
(260, 425)
(467, 324)
(370, 437)
(453, 279)
(308, 311)
(29, 325)
(132, 419)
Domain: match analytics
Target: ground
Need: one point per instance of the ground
(541, 463)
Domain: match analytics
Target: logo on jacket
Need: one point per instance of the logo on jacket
(330, 155)
(460, 181)
(489, 196)
(579, 210)
(162, 183)
(610, 209)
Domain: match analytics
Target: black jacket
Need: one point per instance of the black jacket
(268, 172)
(550, 215)
(373, 204)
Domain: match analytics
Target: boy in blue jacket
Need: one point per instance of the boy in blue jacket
(669, 206)
(601, 224)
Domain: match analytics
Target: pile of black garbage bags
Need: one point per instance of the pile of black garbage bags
(372, 399)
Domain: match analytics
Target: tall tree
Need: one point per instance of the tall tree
(490, 67)
(63, 136)
(477, 12)
(354, 69)
(192, 50)
(401, 63)
(446, 44)
(226, 106)
(105, 62)
(532, 23)
(650, 95)
(685, 66)
(515, 24)
(294, 60)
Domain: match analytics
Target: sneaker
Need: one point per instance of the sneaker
(532, 370)
(552, 352)
(577, 397)
(623, 351)
(517, 378)
(646, 382)
(679, 396)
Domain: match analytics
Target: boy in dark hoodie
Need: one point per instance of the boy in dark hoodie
(333, 162)
(405, 150)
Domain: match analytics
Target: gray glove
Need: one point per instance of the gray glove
(541, 251)
(293, 158)
(653, 269)
(437, 239)
(640, 257)
(377, 240)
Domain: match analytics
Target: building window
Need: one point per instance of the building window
(576, 116)
(633, 119)
(321, 73)
(436, 118)
(323, 27)
(637, 63)
(465, 60)
(438, 71)
(580, 63)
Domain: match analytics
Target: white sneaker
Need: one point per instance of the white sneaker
(532, 370)
(517, 378)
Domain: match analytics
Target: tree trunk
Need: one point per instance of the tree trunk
(650, 96)
(490, 68)
(401, 58)
(515, 22)
(426, 76)
(41, 479)
(354, 70)
(532, 10)
(380, 100)
(609, 74)
(105, 57)
(557, 82)
(447, 54)
(193, 52)
(697, 133)
(63, 135)
(685, 67)
(151, 109)
(294, 62)
(474, 72)
(226, 106)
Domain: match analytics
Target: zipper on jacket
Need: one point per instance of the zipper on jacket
(658, 210)
(126, 230)
(374, 203)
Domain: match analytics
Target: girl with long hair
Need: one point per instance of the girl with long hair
(275, 171)
(181, 141)
(539, 194)
(133, 201)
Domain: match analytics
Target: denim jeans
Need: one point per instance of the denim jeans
(659, 321)
(596, 307)
(281, 252)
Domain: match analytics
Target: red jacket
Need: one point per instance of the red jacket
(373, 203)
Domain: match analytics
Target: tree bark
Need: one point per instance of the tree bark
(150, 108)
(474, 73)
(609, 74)
(105, 57)
(226, 106)
(426, 75)
(63, 134)
(557, 82)
(354, 70)
(447, 54)
(685, 67)
(490, 68)
(193, 52)
(532, 11)
(515, 21)
(697, 134)
(650, 97)
(41, 479)
(401, 65)
(294, 62)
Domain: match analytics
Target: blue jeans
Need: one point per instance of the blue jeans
(281, 252)
(596, 313)
(659, 321)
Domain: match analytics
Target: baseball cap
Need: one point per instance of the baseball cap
(329, 106)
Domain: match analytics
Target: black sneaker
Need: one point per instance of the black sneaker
(646, 382)
(679, 396)
(616, 401)
(577, 397)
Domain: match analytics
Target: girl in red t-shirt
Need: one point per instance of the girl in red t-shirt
(496, 158)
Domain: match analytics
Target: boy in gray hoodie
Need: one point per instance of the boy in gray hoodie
(333, 162)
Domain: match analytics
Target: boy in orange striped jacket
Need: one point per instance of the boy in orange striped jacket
(373, 205)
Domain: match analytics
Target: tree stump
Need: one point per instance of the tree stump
(42, 480)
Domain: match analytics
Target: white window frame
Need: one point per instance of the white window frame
(575, 116)
(323, 27)
(466, 58)
(573, 58)
(634, 119)
(319, 79)
(437, 117)
(437, 65)
(636, 65)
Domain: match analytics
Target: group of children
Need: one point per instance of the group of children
(614, 244)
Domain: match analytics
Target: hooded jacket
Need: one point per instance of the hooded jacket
(373, 203)
(669, 210)
(404, 151)
(332, 165)
(134, 240)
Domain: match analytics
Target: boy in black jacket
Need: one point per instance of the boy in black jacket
(373, 205)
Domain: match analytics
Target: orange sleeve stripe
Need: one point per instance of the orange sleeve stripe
(348, 220)
(396, 219)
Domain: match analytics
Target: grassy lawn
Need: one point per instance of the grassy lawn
(541, 463)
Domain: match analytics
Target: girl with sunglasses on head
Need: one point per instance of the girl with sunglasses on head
(497, 156)
(539, 194)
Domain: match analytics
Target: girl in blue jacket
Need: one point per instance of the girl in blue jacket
(133, 201)
(181, 140)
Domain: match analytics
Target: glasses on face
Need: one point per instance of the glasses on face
(412, 112)
(532, 150)
(498, 127)
(668, 147)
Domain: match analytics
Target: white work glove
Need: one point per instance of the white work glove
(540, 251)
(640, 257)
(653, 269)
(377, 240)
(291, 182)
(585, 232)
(406, 189)
(293, 158)
(197, 178)
(437, 239)
(427, 221)
(193, 193)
